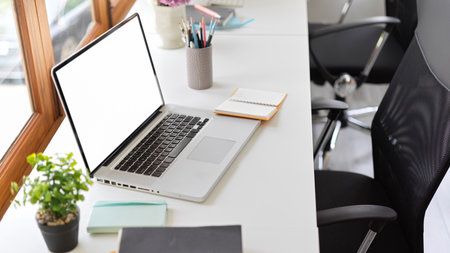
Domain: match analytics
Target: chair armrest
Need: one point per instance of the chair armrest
(342, 27)
(378, 215)
(328, 104)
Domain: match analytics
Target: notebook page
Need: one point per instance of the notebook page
(245, 109)
(258, 96)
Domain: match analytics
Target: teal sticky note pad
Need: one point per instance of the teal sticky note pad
(110, 216)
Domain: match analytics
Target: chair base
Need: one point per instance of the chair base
(346, 119)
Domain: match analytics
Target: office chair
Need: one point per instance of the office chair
(363, 49)
(346, 55)
(411, 152)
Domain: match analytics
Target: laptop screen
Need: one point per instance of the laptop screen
(109, 89)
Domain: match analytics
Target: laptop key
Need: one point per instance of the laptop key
(150, 169)
(156, 174)
(160, 170)
(140, 170)
(164, 165)
(176, 151)
(133, 168)
(195, 120)
(169, 160)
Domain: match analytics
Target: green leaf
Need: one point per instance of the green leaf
(48, 196)
(33, 200)
(31, 159)
(14, 188)
(37, 193)
(42, 157)
(84, 187)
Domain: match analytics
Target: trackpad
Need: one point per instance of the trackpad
(211, 149)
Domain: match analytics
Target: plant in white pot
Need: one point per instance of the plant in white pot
(168, 15)
(57, 189)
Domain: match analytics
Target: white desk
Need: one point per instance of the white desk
(272, 17)
(269, 189)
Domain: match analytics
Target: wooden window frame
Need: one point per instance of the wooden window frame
(37, 57)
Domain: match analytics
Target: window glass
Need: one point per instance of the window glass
(69, 20)
(15, 107)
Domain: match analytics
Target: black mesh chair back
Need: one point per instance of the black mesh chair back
(406, 11)
(411, 130)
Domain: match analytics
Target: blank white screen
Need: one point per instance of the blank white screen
(110, 90)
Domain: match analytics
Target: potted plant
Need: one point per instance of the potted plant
(168, 15)
(57, 189)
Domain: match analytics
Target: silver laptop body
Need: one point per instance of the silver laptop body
(113, 100)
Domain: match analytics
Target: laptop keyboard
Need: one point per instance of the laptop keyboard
(158, 149)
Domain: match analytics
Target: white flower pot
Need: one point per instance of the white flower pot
(167, 22)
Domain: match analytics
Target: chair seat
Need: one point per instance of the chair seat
(348, 51)
(338, 188)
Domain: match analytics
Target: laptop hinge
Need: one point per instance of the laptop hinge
(127, 141)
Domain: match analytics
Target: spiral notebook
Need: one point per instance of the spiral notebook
(250, 103)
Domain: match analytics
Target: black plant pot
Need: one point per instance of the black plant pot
(61, 238)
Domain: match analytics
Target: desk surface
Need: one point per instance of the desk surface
(272, 17)
(269, 188)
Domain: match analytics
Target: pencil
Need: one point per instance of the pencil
(204, 32)
(195, 35)
(200, 29)
(211, 33)
(184, 23)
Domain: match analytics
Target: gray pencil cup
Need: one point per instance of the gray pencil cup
(199, 67)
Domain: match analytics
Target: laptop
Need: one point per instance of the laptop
(128, 136)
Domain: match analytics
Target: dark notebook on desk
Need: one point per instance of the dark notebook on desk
(217, 239)
(225, 14)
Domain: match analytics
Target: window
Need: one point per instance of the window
(69, 21)
(15, 107)
(35, 40)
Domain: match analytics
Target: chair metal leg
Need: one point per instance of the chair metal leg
(358, 124)
(326, 158)
(362, 111)
(324, 137)
(335, 135)
(320, 160)
(328, 144)
(367, 241)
